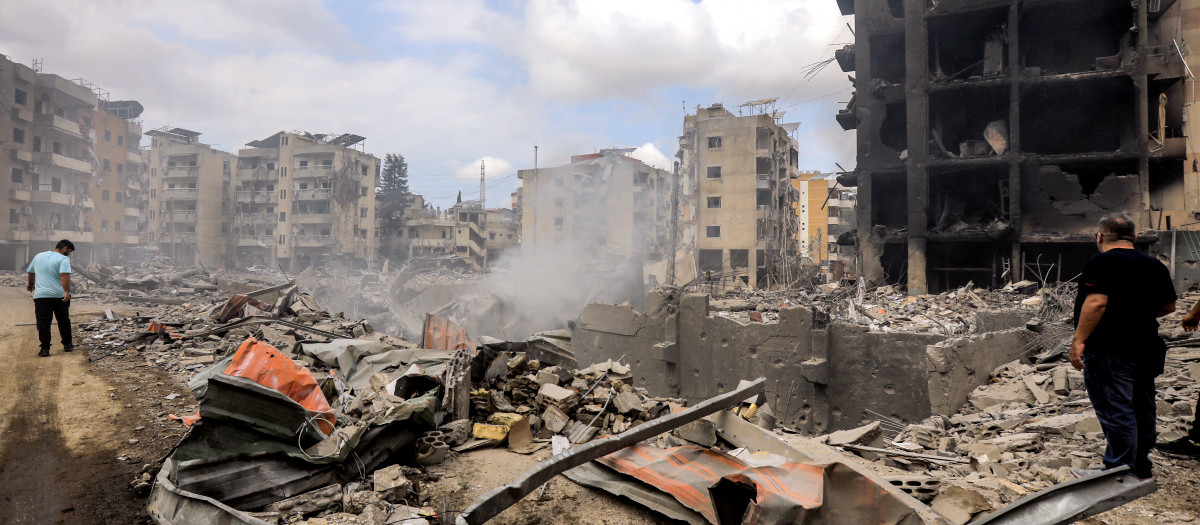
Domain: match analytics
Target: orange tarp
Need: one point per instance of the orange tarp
(263, 364)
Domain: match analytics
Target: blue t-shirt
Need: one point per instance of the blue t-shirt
(45, 269)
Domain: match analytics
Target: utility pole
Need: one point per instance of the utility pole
(481, 185)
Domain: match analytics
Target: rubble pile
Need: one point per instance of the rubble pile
(1019, 434)
(890, 309)
(578, 404)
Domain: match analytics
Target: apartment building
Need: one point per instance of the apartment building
(826, 213)
(503, 232)
(68, 156)
(737, 200)
(304, 199)
(190, 203)
(993, 135)
(606, 204)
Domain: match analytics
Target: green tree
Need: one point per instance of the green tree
(394, 177)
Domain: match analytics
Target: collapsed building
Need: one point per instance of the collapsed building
(1008, 128)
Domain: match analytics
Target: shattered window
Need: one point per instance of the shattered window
(714, 142)
(714, 202)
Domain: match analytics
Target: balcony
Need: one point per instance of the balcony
(83, 96)
(264, 241)
(52, 197)
(256, 196)
(132, 212)
(133, 184)
(313, 171)
(312, 218)
(62, 124)
(18, 194)
(22, 114)
(313, 241)
(181, 172)
(80, 166)
(179, 193)
(133, 157)
(257, 174)
(180, 237)
(174, 216)
(86, 202)
(20, 154)
(256, 218)
(313, 194)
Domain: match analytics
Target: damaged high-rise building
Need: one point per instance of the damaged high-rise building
(993, 134)
(736, 191)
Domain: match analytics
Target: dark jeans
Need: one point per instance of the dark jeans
(1194, 433)
(1122, 392)
(43, 309)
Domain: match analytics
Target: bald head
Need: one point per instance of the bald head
(1117, 227)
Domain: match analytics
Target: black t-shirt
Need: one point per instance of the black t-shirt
(1137, 286)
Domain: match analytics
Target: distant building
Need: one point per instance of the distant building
(737, 200)
(825, 211)
(302, 198)
(69, 163)
(607, 203)
(190, 198)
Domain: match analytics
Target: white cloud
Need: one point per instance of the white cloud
(650, 154)
(581, 74)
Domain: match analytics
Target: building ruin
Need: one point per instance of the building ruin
(1008, 128)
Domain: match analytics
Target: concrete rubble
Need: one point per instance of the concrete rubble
(1019, 432)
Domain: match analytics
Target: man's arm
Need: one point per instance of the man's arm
(66, 284)
(1192, 320)
(1089, 317)
(33, 278)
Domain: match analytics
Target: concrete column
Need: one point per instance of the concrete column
(916, 81)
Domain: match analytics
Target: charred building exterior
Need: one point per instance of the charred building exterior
(992, 134)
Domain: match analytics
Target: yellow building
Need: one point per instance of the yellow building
(825, 210)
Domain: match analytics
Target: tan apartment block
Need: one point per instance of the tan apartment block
(303, 199)
(607, 202)
(736, 177)
(118, 177)
(47, 166)
(503, 233)
(190, 185)
(430, 236)
(470, 232)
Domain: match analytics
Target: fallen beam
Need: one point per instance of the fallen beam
(494, 502)
(905, 454)
(1074, 500)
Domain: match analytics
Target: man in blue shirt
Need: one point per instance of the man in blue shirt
(50, 282)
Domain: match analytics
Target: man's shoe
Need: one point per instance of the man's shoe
(44, 353)
(1183, 446)
(1083, 472)
(68, 348)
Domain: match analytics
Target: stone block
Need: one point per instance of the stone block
(1064, 425)
(457, 432)
(308, 502)
(554, 419)
(556, 394)
(390, 484)
(815, 371)
(701, 432)
(627, 402)
(863, 435)
(1000, 393)
(665, 351)
(1018, 442)
(493, 432)
(959, 504)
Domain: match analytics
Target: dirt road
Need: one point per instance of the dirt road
(62, 429)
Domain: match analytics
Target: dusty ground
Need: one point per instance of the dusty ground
(69, 437)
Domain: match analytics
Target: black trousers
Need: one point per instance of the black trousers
(43, 310)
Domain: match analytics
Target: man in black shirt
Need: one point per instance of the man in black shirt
(1121, 294)
(1188, 445)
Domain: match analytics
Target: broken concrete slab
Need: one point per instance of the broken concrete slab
(863, 435)
(959, 504)
(390, 484)
(701, 432)
(309, 502)
(627, 402)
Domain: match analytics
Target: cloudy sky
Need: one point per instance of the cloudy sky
(448, 83)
